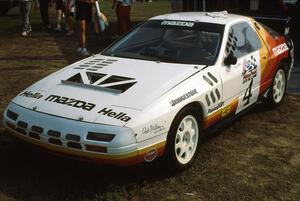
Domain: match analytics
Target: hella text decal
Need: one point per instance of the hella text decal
(116, 115)
(31, 94)
(71, 102)
(183, 97)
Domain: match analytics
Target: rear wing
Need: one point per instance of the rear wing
(281, 24)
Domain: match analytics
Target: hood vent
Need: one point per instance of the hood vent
(113, 83)
(95, 64)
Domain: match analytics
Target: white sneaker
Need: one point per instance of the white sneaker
(84, 52)
(70, 33)
(58, 29)
(79, 50)
(24, 34)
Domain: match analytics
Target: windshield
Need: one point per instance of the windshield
(171, 41)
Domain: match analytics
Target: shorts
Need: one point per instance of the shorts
(60, 5)
(84, 11)
(123, 11)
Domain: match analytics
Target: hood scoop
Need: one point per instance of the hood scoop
(112, 83)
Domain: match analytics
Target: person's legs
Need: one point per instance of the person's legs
(82, 28)
(25, 8)
(44, 12)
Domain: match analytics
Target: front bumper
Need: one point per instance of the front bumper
(70, 137)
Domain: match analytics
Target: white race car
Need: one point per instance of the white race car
(155, 91)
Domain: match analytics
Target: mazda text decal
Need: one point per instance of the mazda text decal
(178, 23)
(71, 102)
(116, 115)
(280, 49)
(183, 97)
(30, 94)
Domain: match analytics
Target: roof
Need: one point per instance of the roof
(211, 17)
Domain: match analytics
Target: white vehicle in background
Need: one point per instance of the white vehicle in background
(155, 91)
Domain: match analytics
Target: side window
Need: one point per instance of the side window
(242, 40)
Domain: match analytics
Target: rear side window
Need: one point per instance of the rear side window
(242, 40)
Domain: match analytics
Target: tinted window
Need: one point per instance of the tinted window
(242, 40)
(171, 41)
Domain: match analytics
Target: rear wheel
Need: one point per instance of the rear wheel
(183, 140)
(278, 88)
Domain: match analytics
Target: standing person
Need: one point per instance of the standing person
(44, 4)
(25, 8)
(70, 10)
(84, 10)
(60, 10)
(123, 15)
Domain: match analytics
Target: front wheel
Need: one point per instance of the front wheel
(278, 88)
(183, 140)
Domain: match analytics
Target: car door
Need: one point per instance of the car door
(241, 80)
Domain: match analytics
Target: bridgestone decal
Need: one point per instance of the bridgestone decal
(183, 97)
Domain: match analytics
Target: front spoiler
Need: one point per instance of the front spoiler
(123, 150)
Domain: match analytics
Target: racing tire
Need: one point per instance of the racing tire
(183, 140)
(278, 88)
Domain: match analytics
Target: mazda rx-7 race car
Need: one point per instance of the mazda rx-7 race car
(155, 91)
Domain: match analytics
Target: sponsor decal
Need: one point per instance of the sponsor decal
(280, 49)
(226, 110)
(150, 155)
(30, 94)
(110, 113)
(70, 102)
(183, 97)
(178, 23)
(153, 129)
(210, 110)
(250, 69)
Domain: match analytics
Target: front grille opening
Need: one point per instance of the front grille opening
(96, 148)
(11, 126)
(34, 135)
(12, 115)
(37, 129)
(54, 133)
(22, 124)
(21, 130)
(55, 141)
(105, 137)
(74, 145)
(73, 137)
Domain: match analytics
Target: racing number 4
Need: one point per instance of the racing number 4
(248, 93)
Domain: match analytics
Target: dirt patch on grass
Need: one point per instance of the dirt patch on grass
(257, 157)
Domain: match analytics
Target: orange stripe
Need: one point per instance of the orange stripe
(220, 114)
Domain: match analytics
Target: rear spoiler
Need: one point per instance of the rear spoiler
(281, 24)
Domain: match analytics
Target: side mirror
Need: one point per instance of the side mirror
(230, 60)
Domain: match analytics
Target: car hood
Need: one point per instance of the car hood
(103, 89)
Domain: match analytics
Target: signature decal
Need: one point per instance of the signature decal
(110, 113)
(178, 23)
(30, 94)
(183, 97)
(280, 49)
(70, 102)
(152, 129)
